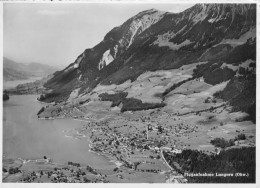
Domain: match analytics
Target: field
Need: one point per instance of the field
(191, 118)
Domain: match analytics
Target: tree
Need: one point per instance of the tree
(11, 171)
(115, 169)
(240, 137)
(160, 129)
(5, 95)
(86, 180)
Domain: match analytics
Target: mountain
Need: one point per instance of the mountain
(21, 71)
(11, 74)
(12, 71)
(218, 39)
(183, 83)
(41, 68)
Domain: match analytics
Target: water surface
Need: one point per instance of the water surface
(24, 136)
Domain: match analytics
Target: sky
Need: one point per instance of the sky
(57, 33)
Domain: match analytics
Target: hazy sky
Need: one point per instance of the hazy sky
(57, 33)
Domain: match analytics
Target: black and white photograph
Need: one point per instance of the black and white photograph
(129, 92)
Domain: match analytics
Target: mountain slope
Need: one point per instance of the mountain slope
(155, 40)
(222, 35)
(11, 74)
(12, 71)
(20, 71)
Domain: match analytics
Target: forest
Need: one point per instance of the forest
(222, 143)
(129, 104)
(240, 92)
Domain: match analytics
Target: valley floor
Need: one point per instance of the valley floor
(136, 140)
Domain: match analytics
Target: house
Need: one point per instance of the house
(217, 150)
(166, 148)
(176, 151)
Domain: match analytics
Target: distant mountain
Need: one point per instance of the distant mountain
(11, 74)
(21, 71)
(12, 71)
(38, 67)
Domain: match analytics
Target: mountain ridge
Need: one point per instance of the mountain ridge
(23, 71)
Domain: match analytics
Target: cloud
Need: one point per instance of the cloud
(52, 12)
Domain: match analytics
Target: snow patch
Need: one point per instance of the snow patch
(106, 59)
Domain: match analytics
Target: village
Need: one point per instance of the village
(138, 142)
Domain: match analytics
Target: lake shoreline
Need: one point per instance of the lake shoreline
(90, 150)
(22, 106)
(110, 162)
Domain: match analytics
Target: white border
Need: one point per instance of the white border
(21, 185)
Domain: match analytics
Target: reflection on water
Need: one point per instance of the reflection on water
(27, 137)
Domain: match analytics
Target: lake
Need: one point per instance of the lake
(26, 137)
